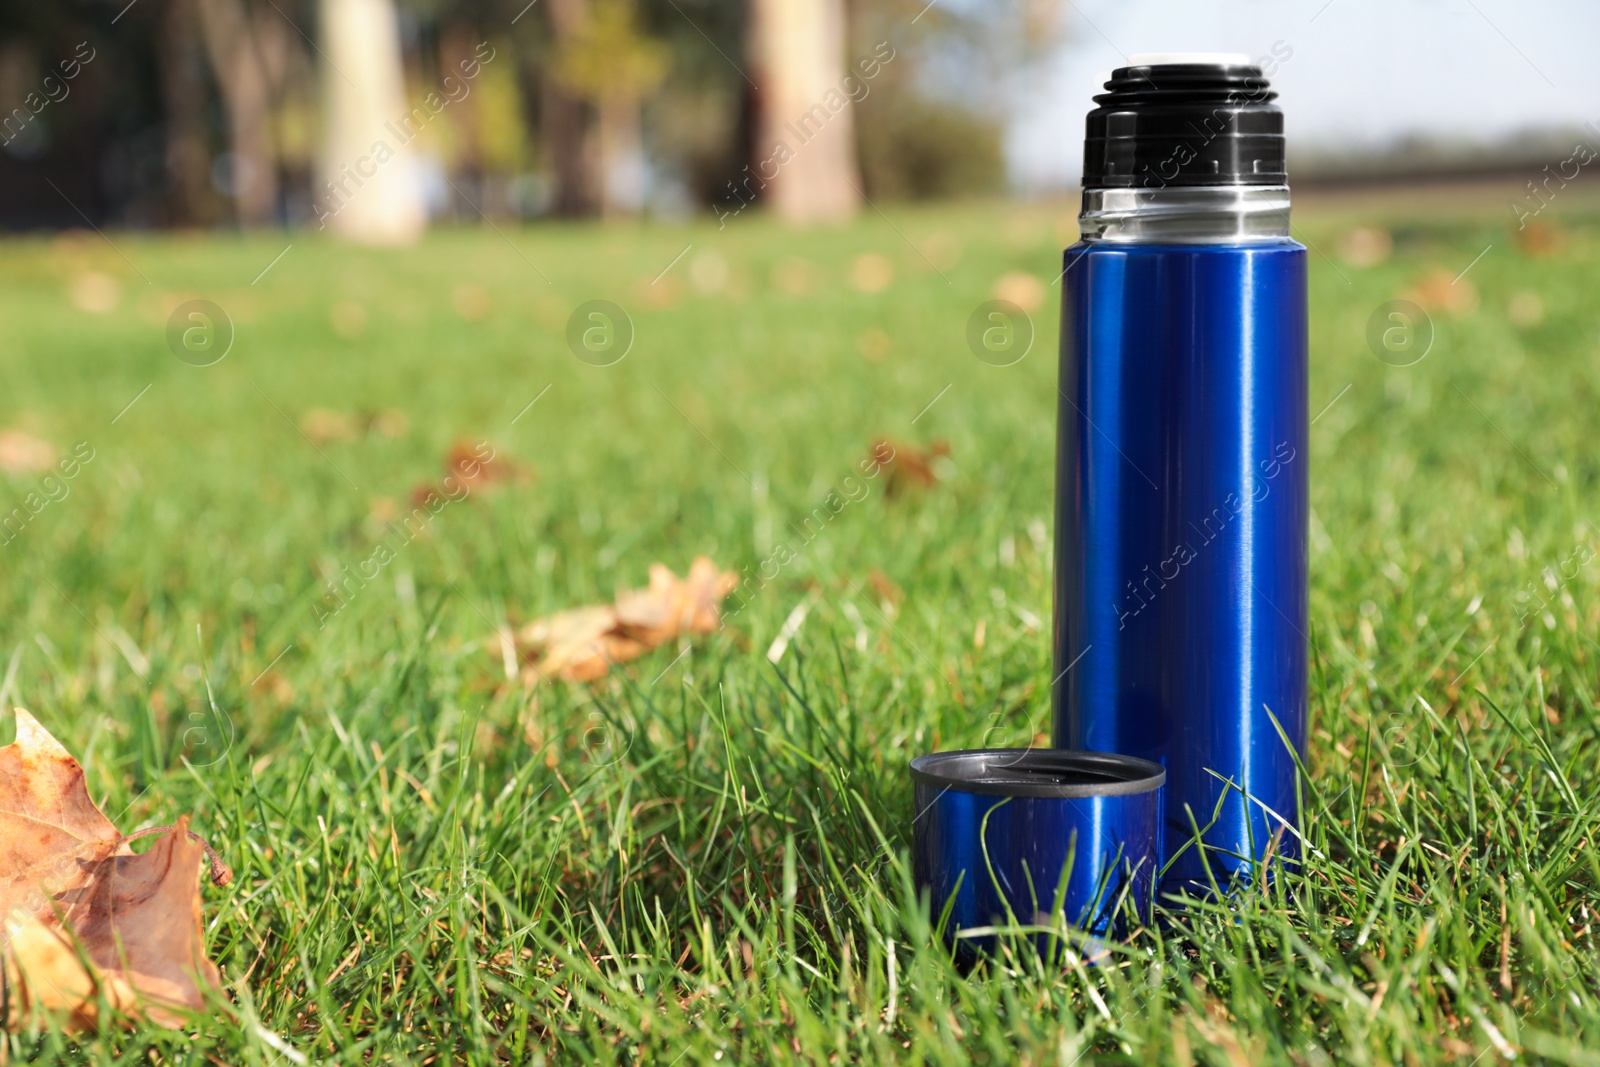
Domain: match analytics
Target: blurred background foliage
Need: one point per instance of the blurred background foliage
(199, 113)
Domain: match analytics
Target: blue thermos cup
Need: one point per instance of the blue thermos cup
(1181, 490)
(1034, 840)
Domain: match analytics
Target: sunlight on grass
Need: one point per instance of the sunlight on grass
(706, 856)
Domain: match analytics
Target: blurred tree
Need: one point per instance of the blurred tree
(370, 192)
(83, 112)
(932, 122)
(458, 41)
(563, 118)
(297, 124)
(605, 60)
(459, 51)
(185, 93)
(699, 123)
(248, 51)
(198, 107)
(503, 129)
(805, 158)
(915, 148)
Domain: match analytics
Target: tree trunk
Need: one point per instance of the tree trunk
(242, 78)
(371, 191)
(183, 92)
(563, 122)
(621, 152)
(564, 146)
(805, 166)
(457, 45)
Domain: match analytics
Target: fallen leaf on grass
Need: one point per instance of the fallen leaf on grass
(874, 344)
(909, 466)
(468, 464)
(23, 453)
(1440, 291)
(325, 426)
(474, 467)
(578, 645)
(664, 294)
(348, 318)
(1020, 288)
(1525, 309)
(86, 919)
(871, 273)
(657, 614)
(794, 276)
(1366, 246)
(1541, 239)
(888, 593)
(95, 292)
(472, 302)
(583, 644)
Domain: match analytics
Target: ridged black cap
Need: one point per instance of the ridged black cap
(1184, 124)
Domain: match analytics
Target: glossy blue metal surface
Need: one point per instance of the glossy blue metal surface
(997, 860)
(1181, 532)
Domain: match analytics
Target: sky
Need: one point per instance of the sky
(1362, 74)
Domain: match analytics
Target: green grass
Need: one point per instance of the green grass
(706, 858)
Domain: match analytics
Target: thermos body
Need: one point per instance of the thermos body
(1181, 512)
(1181, 477)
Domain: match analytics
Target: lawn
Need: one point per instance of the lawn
(704, 857)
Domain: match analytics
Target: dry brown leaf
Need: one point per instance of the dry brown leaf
(570, 644)
(671, 606)
(133, 929)
(465, 463)
(707, 585)
(23, 453)
(908, 465)
(468, 465)
(472, 302)
(327, 426)
(583, 644)
(95, 292)
(871, 273)
(653, 614)
(50, 831)
(83, 915)
(884, 586)
(874, 344)
(1366, 246)
(1438, 291)
(1020, 288)
(1541, 239)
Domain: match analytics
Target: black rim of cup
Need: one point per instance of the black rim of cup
(1037, 772)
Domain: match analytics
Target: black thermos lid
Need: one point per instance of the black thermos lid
(1181, 121)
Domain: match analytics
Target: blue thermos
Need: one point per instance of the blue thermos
(1181, 488)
